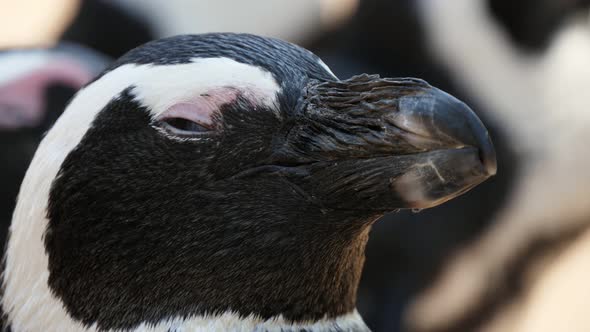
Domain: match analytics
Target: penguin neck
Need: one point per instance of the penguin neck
(313, 288)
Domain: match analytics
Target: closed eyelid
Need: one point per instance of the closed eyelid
(201, 108)
(196, 112)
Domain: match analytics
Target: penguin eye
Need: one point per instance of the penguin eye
(187, 119)
(182, 127)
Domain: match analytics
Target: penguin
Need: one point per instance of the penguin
(35, 86)
(226, 182)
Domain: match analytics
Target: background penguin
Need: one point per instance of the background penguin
(35, 86)
(115, 27)
(108, 28)
(206, 183)
(535, 68)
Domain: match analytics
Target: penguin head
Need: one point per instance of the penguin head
(226, 173)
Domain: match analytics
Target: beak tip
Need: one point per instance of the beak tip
(487, 154)
(490, 165)
(476, 134)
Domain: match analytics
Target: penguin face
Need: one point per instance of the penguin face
(182, 180)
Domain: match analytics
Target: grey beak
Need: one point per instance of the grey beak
(390, 143)
(439, 120)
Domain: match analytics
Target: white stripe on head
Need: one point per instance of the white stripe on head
(28, 302)
(161, 87)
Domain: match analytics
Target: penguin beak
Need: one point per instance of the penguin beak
(386, 144)
(437, 120)
(457, 152)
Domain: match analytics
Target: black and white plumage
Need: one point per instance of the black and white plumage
(225, 182)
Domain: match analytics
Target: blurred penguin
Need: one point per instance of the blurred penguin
(108, 27)
(35, 86)
(115, 27)
(526, 271)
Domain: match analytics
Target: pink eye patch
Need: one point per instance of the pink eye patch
(201, 108)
